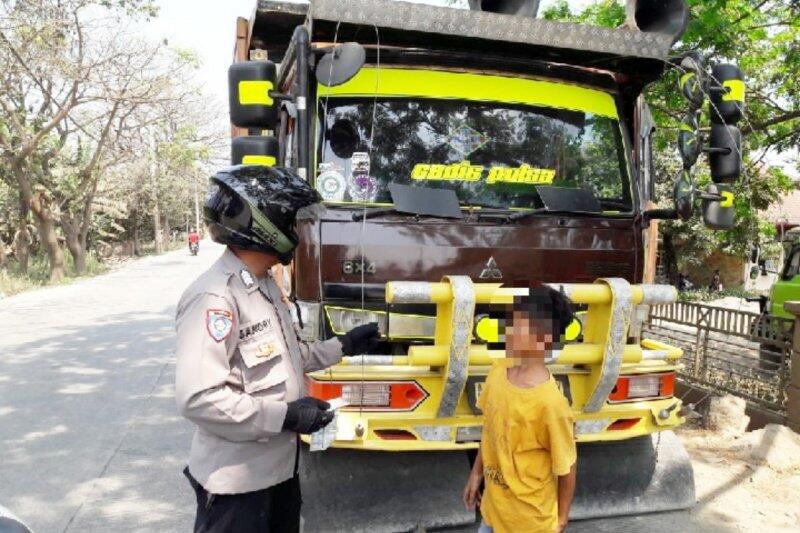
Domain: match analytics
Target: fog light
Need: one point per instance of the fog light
(644, 386)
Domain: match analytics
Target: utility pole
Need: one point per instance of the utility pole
(196, 210)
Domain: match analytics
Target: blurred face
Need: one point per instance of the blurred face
(528, 339)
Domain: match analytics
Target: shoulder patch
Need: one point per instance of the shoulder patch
(219, 323)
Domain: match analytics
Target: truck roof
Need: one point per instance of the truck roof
(641, 55)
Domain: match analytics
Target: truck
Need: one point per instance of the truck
(463, 155)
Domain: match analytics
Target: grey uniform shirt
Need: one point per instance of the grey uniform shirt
(239, 361)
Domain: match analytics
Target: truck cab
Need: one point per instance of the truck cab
(462, 157)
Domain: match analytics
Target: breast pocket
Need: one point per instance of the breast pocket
(265, 371)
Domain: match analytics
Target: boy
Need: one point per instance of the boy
(527, 455)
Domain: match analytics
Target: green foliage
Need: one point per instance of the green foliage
(605, 13)
(763, 37)
(705, 295)
(12, 281)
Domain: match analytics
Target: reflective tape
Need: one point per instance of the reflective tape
(255, 92)
(264, 160)
(420, 83)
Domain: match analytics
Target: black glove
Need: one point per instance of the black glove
(361, 339)
(307, 415)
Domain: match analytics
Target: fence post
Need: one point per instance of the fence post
(793, 388)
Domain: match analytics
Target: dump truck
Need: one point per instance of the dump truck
(464, 155)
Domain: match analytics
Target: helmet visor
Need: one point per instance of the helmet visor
(233, 212)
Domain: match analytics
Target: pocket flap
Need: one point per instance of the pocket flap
(268, 375)
(261, 349)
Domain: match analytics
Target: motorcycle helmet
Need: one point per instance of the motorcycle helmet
(255, 207)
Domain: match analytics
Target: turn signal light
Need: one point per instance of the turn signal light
(643, 386)
(623, 423)
(370, 395)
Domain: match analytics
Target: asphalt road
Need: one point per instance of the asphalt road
(90, 438)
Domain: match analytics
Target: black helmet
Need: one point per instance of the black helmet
(254, 207)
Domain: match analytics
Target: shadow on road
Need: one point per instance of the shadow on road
(90, 435)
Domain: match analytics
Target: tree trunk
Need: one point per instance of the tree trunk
(47, 233)
(22, 242)
(2, 253)
(167, 230)
(45, 224)
(159, 236)
(74, 244)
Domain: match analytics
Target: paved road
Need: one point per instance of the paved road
(89, 437)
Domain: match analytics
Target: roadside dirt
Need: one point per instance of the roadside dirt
(746, 481)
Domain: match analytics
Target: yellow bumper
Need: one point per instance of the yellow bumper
(450, 371)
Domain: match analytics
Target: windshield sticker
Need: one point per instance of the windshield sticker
(464, 171)
(361, 186)
(331, 186)
(524, 174)
(464, 139)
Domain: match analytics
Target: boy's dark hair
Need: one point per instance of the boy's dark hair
(545, 303)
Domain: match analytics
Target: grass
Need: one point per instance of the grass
(705, 295)
(12, 281)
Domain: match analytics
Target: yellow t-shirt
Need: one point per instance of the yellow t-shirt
(527, 442)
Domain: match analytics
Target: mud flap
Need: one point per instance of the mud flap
(636, 476)
(353, 490)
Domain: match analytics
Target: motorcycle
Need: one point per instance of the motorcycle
(194, 247)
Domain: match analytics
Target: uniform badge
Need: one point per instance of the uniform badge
(219, 323)
(247, 278)
(265, 350)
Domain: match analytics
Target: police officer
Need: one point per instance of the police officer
(240, 363)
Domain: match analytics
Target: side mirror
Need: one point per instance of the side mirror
(340, 64)
(254, 150)
(718, 210)
(689, 144)
(683, 196)
(691, 81)
(250, 86)
(727, 94)
(725, 153)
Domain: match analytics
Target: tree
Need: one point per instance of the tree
(763, 36)
(51, 63)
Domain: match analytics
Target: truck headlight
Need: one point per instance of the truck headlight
(343, 319)
(391, 325)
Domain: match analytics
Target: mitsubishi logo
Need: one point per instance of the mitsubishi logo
(491, 271)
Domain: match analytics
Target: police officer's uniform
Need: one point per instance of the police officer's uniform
(240, 363)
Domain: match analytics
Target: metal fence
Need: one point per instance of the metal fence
(726, 350)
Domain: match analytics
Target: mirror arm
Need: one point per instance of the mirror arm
(660, 214)
(712, 150)
(710, 196)
(281, 97)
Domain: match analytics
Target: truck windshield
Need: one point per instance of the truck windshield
(490, 154)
